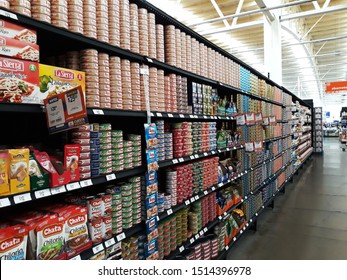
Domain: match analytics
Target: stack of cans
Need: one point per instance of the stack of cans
(161, 140)
(89, 19)
(105, 148)
(72, 60)
(126, 85)
(134, 29)
(170, 44)
(21, 7)
(173, 93)
(178, 48)
(173, 233)
(189, 52)
(89, 63)
(82, 136)
(128, 154)
(127, 208)
(184, 182)
(5, 4)
(206, 249)
(171, 185)
(183, 50)
(114, 22)
(167, 202)
(104, 80)
(116, 83)
(94, 151)
(161, 201)
(160, 42)
(136, 199)
(168, 145)
(153, 89)
(75, 17)
(220, 231)
(197, 177)
(136, 149)
(161, 90)
(167, 91)
(152, 36)
(117, 225)
(194, 219)
(141, 245)
(41, 10)
(102, 22)
(117, 150)
(143, 30)
(124, 24)
(212, 131)
(135, 85)
(166, 236)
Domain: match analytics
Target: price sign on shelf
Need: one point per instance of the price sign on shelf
(98, 112)
(66, 110)
(58, 190)
(259, 117)
(181, 116)
(4, 202)
(201, 232)
(110, 177)
(121, 236)
(240, 120)
(86, 183)
(159, 115)
(8, 14)
(174, 161)
(181, 249)
(110, 242)
(98, 248)
(76, 258)
(22, 198)
(170, 115)
(73, 186)
(42, 193)
(169, 212)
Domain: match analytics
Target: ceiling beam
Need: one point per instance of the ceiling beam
(250, 12)
(238, 11)
(311, 13)
(219, 12)
(233, 28)
(270, 16)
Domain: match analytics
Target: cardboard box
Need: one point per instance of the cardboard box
(55, 80)
(19, 172)
(18, 32)
(39, 178)
(19, 49)
(19, 81)
(4, 168)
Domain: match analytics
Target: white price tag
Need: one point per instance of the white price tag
(58, 190)
(191, 116)
(170, 115)
(241, 231)
(197, 236)
(110, 242)
(220, 217)
(181, 160)
(213, 152)
(86, 183)
(240, 120)
(213, 188)
(121, 236)
(55, 113)
(4, 202)
(169, 212)
(22, 198)
(251, 220)
(192, 240)
(205, 229)
(242, 200)
(205, 117)
(263, 206)
(98, 248)
(246, 197)
(110, 177)
(181, 116)
(201, 232)
(192, 200)
(197, 197)
(8, 14)
(98, 112)
(219, 117)
(192, 157)
(220, 185)
(76, 258)
(187, 202)
(225, 213)
(174, 161)
(149, 60)
(42, 193)
(226, 248)
(219, 151)
(196, 156)
(228, 149)
(73, 186)
(256, 214)
(205, 154)
(244, 228)
(181, 249)
(151, 114)
(205, 192)
(159, 115)
(144, 71)
(234, 239)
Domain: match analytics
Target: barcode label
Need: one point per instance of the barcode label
(42, 193)
(4, 202)
(98, 248)
(170, 115)
(110, 177)
(110, 242)
(58, 190)
(159, 115)
(73, 186)
(121, 236)
(22, 198)
(86, 183)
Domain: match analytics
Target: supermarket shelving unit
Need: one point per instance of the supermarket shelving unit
(28, 124)
(318, 130)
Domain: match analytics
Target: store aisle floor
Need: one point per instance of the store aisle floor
(310, 220)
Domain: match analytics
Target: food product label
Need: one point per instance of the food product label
(19, 173)
(240, 120)
(19, 49)
(13, 243)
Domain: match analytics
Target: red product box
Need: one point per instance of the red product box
(19, 49)
(18, 32)
(71, 159)
(19, 81)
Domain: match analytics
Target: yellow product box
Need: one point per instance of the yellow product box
(4, 166)
(19, 170)
(54, 80)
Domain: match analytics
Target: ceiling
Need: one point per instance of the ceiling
(314, 37)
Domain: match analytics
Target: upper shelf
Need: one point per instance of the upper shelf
(50, 40)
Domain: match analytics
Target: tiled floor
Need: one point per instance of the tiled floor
(310, 220)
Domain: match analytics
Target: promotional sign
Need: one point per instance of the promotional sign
(336, 87)
(66, 110)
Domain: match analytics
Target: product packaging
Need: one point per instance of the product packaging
(18, 32)
(19, 172)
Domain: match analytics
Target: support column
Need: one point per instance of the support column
(273, 48)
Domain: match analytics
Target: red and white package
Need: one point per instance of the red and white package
(18, 32)
(50, 238)
(95, 230)
(13, 243)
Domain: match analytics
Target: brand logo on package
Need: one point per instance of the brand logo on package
(52, 230)
(64, 74)
(76, 220)
(11, 64)
(2, 24)
(10, 243)
(2, 41)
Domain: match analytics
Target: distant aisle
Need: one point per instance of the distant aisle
(310, 220)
